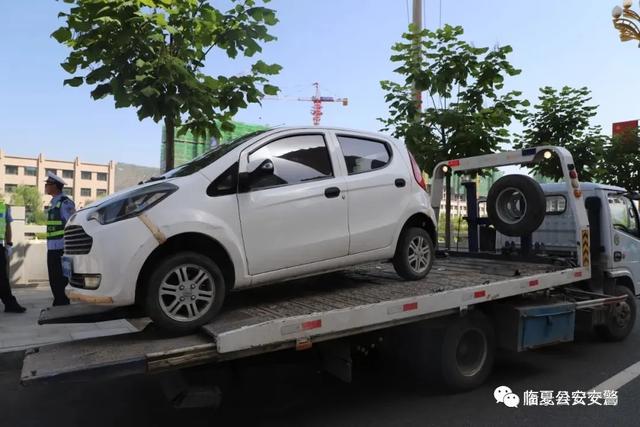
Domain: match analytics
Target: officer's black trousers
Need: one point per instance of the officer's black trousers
(57, 281)
(6, 296)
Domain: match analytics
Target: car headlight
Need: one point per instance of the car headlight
(132, 203)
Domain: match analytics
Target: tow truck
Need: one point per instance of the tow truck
(479, 301)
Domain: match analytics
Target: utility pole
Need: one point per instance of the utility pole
(417, 22)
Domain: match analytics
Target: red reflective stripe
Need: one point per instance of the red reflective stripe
(311, 324)
(578, 274)
(410, 306)
(534, 283)
(453, 163)
(479, 294)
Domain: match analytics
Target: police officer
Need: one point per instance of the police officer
(10, 303)
(60, 211)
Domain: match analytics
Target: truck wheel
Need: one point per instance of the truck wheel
(516, 205)
(620, 318)
(414, 254)
(185, 291)
(468, 351)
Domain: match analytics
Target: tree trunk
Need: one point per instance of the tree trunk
(169, 149)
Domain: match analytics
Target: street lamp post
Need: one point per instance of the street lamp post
(626, 21)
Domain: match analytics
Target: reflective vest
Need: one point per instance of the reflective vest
(55, 224)
(3, 219)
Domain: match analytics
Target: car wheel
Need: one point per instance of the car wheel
(414, 254)
(185, 291)
(620, 318)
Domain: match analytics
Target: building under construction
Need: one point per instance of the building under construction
(188, 147)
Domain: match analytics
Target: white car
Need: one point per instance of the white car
(270, 206)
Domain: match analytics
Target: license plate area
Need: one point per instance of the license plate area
(67, 267)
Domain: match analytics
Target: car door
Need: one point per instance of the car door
(626, 234)
(293, 209)
(378, 183)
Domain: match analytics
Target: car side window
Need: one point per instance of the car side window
(226, 183)
(363, 155)
(623, 214)
(290, 160)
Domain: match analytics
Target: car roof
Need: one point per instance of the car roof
(326, 128)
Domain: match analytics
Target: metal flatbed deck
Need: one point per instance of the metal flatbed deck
(325, 307)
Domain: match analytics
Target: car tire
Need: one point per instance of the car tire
(185, 291)
(467, 352)
(414, 254)
(620, 318)
(516, 205)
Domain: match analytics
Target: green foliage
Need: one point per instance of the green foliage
(39, 217)
(148, 54)
(458, 226)
(563, 118)
(465, 112)
(30, 198)
(621, 162)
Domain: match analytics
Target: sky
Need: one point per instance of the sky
(342, 44)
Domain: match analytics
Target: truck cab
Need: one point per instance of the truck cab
(614, 232)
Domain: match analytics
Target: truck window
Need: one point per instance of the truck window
(556, 205)
(624, 216)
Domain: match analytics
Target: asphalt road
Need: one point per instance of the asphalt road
(294, 392)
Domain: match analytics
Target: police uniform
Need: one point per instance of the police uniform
(7, 298)
(60, 210)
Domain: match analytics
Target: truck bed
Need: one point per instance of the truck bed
(360, 299)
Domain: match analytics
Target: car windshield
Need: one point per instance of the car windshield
(209, 157)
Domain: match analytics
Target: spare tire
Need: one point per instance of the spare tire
(516, 205)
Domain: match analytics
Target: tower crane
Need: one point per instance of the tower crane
(317, 100)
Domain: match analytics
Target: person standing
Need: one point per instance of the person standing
(10, 303)
(60, 210)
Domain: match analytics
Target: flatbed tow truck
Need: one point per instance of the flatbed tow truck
(479, 301)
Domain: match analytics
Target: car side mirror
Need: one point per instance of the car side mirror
(266, 167)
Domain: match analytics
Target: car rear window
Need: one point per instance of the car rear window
(363, 155)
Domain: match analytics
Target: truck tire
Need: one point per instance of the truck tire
(467, 352)
(414, 254)
(185, 291)
(620, 318)
(516, 205)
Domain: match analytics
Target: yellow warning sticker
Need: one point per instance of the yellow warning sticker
(585, 248)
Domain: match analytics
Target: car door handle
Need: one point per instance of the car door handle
(400, 182)
(331, 192)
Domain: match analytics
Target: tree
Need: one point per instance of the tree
(30, 198)
(563, 118)
(465, 111)
(148, 54)
(621, 163)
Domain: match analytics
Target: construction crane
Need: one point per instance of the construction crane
(317, 100)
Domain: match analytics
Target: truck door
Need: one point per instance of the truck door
(625, 235)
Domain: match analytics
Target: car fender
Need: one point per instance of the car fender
(198, 221)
